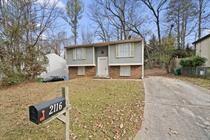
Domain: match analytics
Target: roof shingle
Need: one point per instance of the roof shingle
(102, 44)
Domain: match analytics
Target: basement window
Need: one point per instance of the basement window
(125, 71)
(81, 71)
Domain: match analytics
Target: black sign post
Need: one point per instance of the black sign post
(50, 110)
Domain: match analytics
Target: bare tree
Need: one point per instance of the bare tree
(156, 8)
(121, 15)
(181, 14)
(74, 10)
(87, 36)
(54, 42)
(135, 24)
(203, 15)
(115, 12)
(102, 24)
(22, 24)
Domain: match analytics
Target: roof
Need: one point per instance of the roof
(201, 39)
(102, 44)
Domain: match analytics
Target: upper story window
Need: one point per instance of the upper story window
(79, 53)
(125, 50)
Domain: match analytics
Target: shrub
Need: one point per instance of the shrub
(186, 62)
(183, 53)
(193, 61)
(39, 80)
(198, 61)
(12, 79)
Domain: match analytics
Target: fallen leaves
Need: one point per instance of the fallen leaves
(171, 131)
(121, 125)
(100, 110)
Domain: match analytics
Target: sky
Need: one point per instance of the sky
(86, 24)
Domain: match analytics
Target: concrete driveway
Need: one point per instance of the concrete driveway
(175, 110)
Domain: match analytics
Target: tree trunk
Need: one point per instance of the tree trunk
(167, 68)
(149, 58)
(158, 28)
(200, 18)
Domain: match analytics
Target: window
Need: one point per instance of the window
(125, 50)
(79, 53)
(125, 71)
(81, 71)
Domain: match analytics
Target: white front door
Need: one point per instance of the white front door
(102, 70)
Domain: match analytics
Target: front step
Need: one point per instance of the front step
(98, 77)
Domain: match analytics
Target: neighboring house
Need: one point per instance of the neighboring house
(116, 59)
(56, 67)
(202, 46)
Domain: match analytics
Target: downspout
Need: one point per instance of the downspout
(142, 71)
(67, 67)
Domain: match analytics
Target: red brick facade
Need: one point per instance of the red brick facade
(90, 71)
(114, 72)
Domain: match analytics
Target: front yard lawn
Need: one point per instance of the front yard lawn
(101, 109)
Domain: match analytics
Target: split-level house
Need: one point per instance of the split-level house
(202, 47)
(116, 59)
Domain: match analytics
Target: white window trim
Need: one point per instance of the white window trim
(77, 65)
(124, 64)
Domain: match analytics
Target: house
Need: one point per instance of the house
(116, 59)
(202, 46)
(56, 67)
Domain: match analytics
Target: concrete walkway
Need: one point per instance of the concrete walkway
(175, 110)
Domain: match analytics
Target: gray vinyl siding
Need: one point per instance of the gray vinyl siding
(137, 58)
(203, 50)
(89, 60)
(99, 50)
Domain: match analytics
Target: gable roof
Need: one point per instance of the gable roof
(201, 39)
(102, 44)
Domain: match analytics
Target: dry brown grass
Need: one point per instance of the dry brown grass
(155, 72)
(205, 83)
(105, 109)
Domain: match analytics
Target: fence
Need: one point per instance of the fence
(203, 72)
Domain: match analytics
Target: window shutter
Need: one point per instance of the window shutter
(132, 49)
(74, 54)
(83, 53)
(79, 54)
(117, 50)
